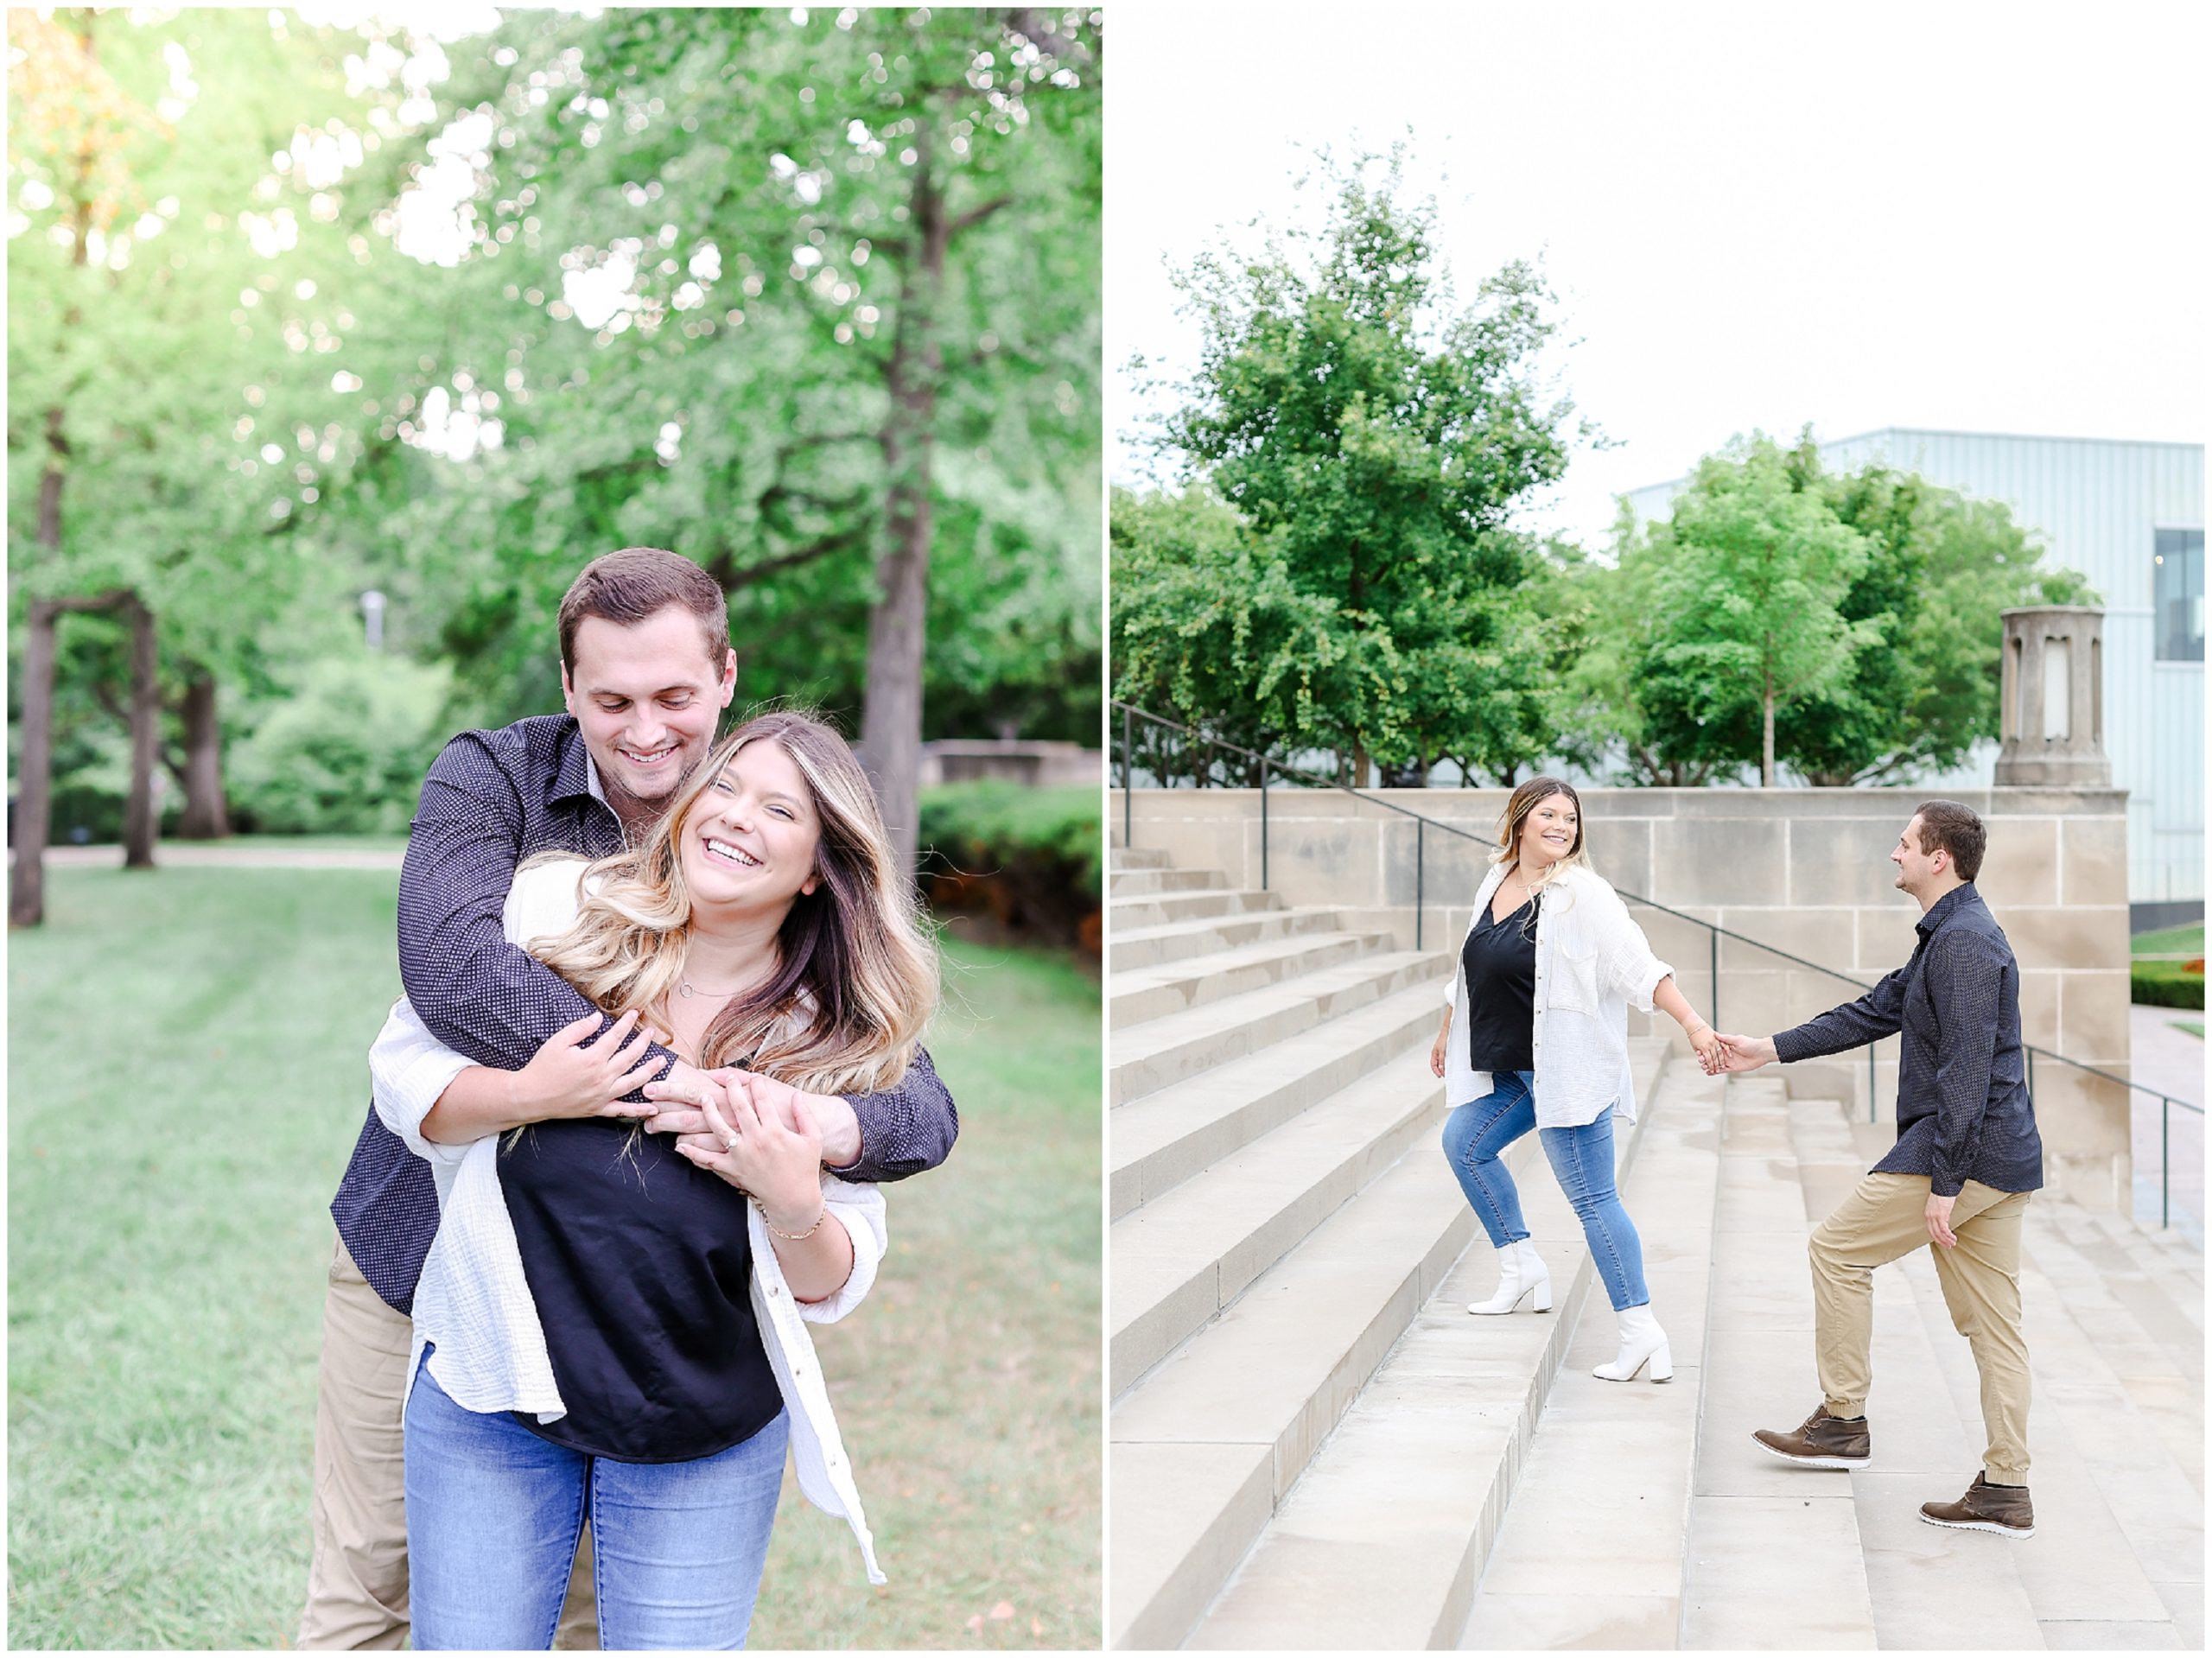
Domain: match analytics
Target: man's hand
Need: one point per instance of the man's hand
(1939, 1220)
(583, 1072)
(684, 1094)
(1747, 1053)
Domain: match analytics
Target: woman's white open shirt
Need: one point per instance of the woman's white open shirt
(1592, 960)
(473, 1303)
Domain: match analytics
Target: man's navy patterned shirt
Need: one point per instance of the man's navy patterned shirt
(1963, 1111)
(493, 800)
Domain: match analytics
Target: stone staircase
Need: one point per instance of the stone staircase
(1314, 1447)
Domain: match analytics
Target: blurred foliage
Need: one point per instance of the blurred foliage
(1032, 855)
(346, 753)
(2166, 984)
(297, 312)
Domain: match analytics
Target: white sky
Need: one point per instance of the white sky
(1948, 216)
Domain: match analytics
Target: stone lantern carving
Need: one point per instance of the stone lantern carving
(2053, 701)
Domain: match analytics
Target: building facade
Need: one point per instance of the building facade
(2130, 517)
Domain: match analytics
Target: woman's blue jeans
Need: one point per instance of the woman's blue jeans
(1476, 1135)
(494, 1515)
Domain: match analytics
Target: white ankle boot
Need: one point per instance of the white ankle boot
(1641, 1340)
(1520, 1272)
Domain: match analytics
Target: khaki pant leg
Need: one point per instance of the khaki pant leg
(1883, 1219)
(1981, 1287)
(357, 1580)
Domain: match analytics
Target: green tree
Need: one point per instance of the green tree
(1378, 437)
(1208, 624)
(1751, 595)
(132, 251)
(812, 298)
(1941, 568)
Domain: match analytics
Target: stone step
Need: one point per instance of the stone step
(1137, 883)
(1183, 1257)
(2134, 1254)
(1136, 857)
(1607, 1476)
(1773, 1556)
(1158, 909)
(1129, 948)
(1163, 1139)
(1205, 1446)
(2169, 1247)
(2161, 1374)
(1376, 1546)
(2088, 1571)
(1140, 994)
(1166, 1051)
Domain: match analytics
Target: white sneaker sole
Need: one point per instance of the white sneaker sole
(1845, 1463)
(1991, 1526)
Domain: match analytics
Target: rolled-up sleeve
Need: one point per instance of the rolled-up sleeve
(1630, 965)
(861, 1208)
(409, 1069)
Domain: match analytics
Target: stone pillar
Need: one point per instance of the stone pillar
(2052, 708)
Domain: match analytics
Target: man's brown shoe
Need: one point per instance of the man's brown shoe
(1825, 1441)
(2004, 1509)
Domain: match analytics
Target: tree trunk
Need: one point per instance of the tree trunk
(1766, 732)
(206, 814)
(1359, 765)
(138, 814)
(891, 723)
(35, 773)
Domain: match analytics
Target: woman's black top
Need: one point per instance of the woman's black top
(1500, 963)
(641, 1267)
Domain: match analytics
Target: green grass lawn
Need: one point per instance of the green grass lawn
(2194, 1027)
(187, 1078)
(2186, 940)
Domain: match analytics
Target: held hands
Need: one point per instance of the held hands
(764, 1143)
(1739, 1053)
(680, 1095)
(1712, 1051)
(572, 1076)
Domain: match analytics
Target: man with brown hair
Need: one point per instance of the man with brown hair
(1966, 1157)
(646, 670)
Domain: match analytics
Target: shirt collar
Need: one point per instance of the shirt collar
(1944, 908)
(578, 774)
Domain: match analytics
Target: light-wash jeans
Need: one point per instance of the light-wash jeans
(494, 1513)
(1477, 1133)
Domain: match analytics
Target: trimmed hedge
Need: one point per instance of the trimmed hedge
(2166, 984)
(1032, 857)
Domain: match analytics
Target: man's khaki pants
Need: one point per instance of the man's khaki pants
(357, 1582)
(1886, 1219)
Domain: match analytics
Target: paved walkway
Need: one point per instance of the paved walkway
(2172, 1062)
(187, 854)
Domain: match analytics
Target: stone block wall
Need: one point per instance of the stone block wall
(1805, 870)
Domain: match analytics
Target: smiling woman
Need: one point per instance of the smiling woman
(661, 1369)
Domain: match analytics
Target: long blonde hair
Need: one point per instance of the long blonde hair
(1525, 799)
(855, 979)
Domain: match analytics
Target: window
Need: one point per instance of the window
(2178, 595)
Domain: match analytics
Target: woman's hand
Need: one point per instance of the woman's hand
(768, 1148)
(572, 1076)
(1712, 1052)
(1437, 1049)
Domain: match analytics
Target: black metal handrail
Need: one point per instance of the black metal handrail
(1714, 932)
